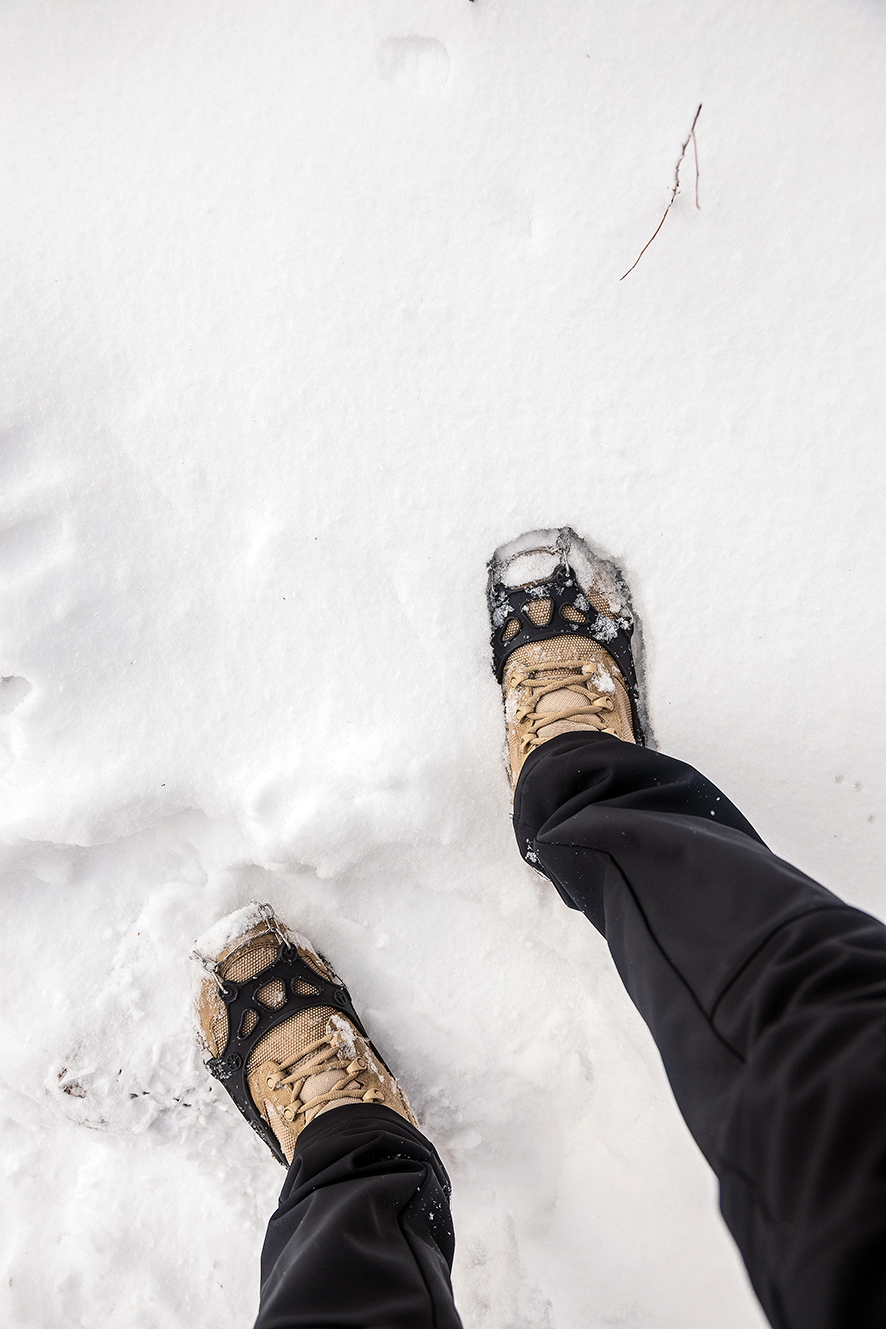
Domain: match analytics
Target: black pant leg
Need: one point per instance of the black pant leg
(766, 996)
(362, 1237)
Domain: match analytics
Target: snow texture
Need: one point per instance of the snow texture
(219, 938)
(309, 309)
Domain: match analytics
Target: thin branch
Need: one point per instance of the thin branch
(674, 192)
(695, 149)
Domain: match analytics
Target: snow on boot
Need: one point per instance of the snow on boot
(561, 643)
(282, 1034)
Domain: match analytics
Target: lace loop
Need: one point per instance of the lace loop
(350, 1084)
(594, 699)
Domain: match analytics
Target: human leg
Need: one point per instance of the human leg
(363, 1235)
(766, 996)
(765, 993)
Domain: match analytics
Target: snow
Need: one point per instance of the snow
(310, 308)
(218, 938)
(603, 680)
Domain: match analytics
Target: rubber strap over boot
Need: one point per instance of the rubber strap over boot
(230, 1065)
(562, 588)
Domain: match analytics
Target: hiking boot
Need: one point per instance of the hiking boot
(561, 643)
(282, 1034)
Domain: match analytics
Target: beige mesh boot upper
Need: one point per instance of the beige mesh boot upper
(306, 1065)
(552, 687)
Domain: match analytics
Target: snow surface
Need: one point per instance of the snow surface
(309, 307)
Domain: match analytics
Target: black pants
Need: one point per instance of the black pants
(766, 996)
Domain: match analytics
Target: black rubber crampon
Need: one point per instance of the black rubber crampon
(230, 1066)
(571, 615)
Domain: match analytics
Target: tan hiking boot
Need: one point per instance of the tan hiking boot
(281, 1032)
(561, 643)
(560, 685)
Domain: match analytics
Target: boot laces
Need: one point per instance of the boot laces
(352, 1083)
(589, 680)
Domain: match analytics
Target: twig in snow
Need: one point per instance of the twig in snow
(675, 191)
(695, 150)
